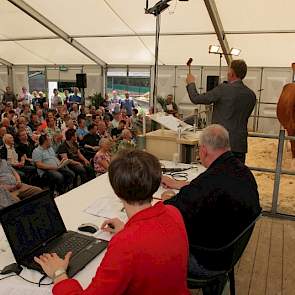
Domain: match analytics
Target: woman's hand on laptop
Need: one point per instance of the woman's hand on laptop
(113, 225)
(50, 263)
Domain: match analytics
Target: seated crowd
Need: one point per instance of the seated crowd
(64, 145)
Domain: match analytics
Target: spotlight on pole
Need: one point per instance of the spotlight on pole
(215, 49)
(235, 51)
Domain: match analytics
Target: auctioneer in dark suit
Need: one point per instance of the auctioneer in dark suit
(233, 104)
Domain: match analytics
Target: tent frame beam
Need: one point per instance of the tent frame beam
(23, 6)
(150, 35)
(218, 27)
(5, 62)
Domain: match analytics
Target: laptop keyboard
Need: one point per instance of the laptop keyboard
(73, 244)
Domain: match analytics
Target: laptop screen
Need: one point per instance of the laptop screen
(31, 223)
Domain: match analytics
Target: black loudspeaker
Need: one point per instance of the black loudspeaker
(212, 82)
(81, 80)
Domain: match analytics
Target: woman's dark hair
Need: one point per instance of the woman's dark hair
(70, 133)
(135, 176)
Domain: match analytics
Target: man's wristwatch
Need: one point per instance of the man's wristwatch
(59, 272)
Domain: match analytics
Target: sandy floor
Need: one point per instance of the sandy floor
(262, 153)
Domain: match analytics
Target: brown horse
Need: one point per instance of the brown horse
(286, 113)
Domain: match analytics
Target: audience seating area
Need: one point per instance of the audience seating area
(85, 136)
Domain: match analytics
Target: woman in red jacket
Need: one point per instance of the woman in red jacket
(148, 255)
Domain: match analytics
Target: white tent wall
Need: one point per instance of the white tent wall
(54, 74)
(3, 78)
(253, 81)
(94, 80)
(20, 78)
(267, 83)
(273, 80)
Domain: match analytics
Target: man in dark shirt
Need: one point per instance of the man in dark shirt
(91, 142)
(91, 139)
(79, 164)
(24, 145)
(221, 202)
(116, 132)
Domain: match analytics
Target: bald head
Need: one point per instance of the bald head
(8, 139)
(214, 141)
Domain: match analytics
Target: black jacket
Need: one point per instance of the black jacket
(219, 204)
(233, 103)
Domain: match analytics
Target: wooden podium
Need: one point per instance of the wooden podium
(164, 144)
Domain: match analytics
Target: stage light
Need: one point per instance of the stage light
(235, 51)
(214, 49)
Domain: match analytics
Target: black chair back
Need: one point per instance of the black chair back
(224, 258)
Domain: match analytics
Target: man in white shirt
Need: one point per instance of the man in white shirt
(12, 156)
(55, 99)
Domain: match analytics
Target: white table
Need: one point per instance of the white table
(71, 206)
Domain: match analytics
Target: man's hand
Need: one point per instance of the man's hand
(50, 263)
(86, 162)
(168, 182)
(167, 195)
(190, 79)
(113, 225)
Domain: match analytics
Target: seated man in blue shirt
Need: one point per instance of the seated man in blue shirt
(81, 130)
(48, 164)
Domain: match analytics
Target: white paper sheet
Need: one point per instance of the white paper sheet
(103, 235)
(10, 290)
(170, 122)
(107, 207)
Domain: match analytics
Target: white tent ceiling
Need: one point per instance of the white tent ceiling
(118, 32)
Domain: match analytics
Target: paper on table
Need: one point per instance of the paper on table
(103, 235)
(170, 122)
(11, 290)
(107, 207)
(63, 163)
